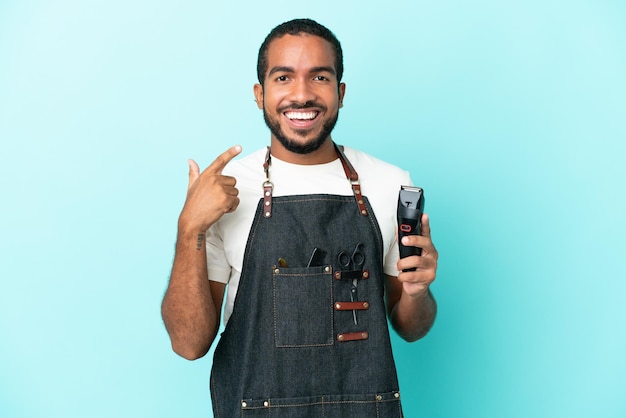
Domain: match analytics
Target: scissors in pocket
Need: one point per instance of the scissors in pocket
(352, 262)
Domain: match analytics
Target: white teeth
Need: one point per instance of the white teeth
(301, 115)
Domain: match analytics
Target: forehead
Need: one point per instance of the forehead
(300, 52)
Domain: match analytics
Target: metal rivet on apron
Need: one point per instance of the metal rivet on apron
(364, 212)
(364, 335)
(379, 398)
(267, 203)
(266, 404)
(244, 404)
(396, 395)
(366, 305)
(366, 274)
(267, 193)
(276, 271)
(267, 214)
(327, 269)
(338, 275)
(340, 337)
(337, 306)
(360, 202)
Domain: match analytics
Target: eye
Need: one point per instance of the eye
(320, 78)
(282, 78)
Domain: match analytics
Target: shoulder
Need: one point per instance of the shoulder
(372, 169)
(380, 183)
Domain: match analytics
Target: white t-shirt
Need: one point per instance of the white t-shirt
(226, 239)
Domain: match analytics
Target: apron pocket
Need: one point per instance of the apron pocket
(303, 306)
(382, 405)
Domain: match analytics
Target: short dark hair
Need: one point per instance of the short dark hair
(295, 27)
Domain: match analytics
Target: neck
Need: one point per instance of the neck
(324, 154)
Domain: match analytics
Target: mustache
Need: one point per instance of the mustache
(300, 106)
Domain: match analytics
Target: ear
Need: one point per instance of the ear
(342, 92)
(258, 95)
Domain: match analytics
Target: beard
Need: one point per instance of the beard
(292, 144)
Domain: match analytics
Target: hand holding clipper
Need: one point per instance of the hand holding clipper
(410, 210)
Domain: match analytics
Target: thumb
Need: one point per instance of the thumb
(194, 172)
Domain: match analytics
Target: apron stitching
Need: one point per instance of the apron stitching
(374, 225)
(319, 199)
(212, 383)
(275, 318)
(332, 312)
(303, 345)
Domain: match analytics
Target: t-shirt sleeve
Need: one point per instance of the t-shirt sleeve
(391, 259)
(217, 267)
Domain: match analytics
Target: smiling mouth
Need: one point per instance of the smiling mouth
(301, 116)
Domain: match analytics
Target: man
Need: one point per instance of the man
(311, 263)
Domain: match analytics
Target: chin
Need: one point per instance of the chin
(301, 147)
(298, 142)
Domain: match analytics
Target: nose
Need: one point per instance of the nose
(302, 92)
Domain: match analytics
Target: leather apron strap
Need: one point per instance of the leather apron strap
(351, 175)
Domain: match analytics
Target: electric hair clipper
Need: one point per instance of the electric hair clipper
(410, 210)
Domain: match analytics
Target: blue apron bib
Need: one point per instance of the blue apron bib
(308, 341)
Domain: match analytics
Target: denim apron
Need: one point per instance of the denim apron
(300, 342)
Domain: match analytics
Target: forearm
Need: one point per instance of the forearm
(192, 304)
(413, 316)
(189, 312)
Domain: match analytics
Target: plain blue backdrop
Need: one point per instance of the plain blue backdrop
(510, 114)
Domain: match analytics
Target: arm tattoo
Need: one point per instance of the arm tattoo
(200, 242)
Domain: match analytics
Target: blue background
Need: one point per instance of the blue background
(509, 114)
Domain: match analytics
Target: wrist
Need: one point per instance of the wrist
(191, 234)
(417, 294)
(191, 238)
(187, 228)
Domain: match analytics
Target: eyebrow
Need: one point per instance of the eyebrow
(323, 69)
(291, 70)
(280, 70)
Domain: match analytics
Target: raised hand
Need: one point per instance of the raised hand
(209, 194)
